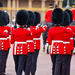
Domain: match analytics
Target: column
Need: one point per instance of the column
(56, 2)
(30, 4)
(60, 3)
(17, 3)
(13, 3)
(43, 4)
(43, 9)
(9, 6)
(13, 8)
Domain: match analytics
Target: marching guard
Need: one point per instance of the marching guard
(58, 38)
(67, 57)
(4, 40)
(36, 39)
(71, 28)
(30, 43)
(18, 39)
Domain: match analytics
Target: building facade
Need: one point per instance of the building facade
(34, 5)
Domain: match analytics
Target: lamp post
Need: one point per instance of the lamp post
(68, 4)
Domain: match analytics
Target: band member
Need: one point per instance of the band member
(4, 41)
(18, 39)
(58, 38)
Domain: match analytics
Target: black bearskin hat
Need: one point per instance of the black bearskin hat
(37, 18)
(22, 17)
(7, 16)
(71, 14)
(57, 16)
(66, 19)
(31, 18)
(3, 18)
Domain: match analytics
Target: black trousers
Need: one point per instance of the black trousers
(3, 60)
(29, 63)
(19, 63)
(58, 63)
(66, 64)
(34, 62)
(53, 59)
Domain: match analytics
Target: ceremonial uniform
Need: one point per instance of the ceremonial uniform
(4, 46)
(48, 16)
(68, 17)
(18, 39)
(36, 39)
(30, 44)
(4, 40)
(58, 44)
(58, 38)
(30, 48)
(73, 11)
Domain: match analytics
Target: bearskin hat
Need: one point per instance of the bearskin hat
(22, 17)
(31, 18)
(3, 18)
(71, 14)
(37, 18)
(7, 16)
(66, 19)
(57, 16)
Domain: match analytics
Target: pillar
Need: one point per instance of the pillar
(13, 8)
(43, 9)
(30, 4)
(43, 4)
(60, 3)
(9, 6)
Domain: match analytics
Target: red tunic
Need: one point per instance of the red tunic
(30, 43)
(36, 37)
(73, 11)
(48, 16)
(58, 38)
(19, 38)
(71, 39)
(4, 37)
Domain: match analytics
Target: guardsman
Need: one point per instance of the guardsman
(67, 57)
(71, 28)
(4, 41)
(30, 43)
(36, 39)
(48, 16)
(58, 36)
(18, 39)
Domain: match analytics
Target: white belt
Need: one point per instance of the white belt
(53, 41)
(4, 38)
(66, 42)
(29, 40)
(71, 38)
(59, 41)
(20, 42)
(36, 38)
